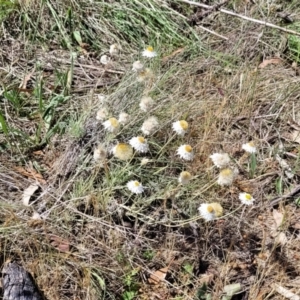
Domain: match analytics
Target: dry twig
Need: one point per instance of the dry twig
(228, 12)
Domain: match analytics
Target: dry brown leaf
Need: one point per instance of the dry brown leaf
(278, 218)
(158, 276)
(31, 173)
(266, 62)
(28, 193)
(59, 243)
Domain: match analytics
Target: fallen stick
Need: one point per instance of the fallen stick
(228, 12)
(293, 193)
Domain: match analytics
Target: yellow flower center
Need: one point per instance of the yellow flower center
(226, 172)
(136, 183)
(149, 48)
(248, 197)
(188, 148)
(210, 209)
(184, 124)
(251, 144)
(141, 139)
(114, 122)
(122, 147)
(185, 175)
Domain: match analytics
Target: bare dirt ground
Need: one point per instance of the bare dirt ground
(81, 233)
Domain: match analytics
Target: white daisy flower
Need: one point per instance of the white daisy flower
(146, 103)
(150, 125)
(210, 211)
(249, 147)
(180, 127)
(220, 160)
(135, 187)
(226, 177)
(104, 59)
(123, 118)
(149, 52)
(137, 66)
(144, 75)
(122, 151)
(139, 144)
(114, 49)
(111, 125)
(185, 152)
(99, 153)
(184, 177)
(102, 114)
(246, 198)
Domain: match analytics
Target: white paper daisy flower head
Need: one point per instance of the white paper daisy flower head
(140, 144)
(111, 125)
(149, 52)
(102, 114)
(226, 177)
(180, 127)
(220, 160)
(249, 147)
(123, 118)
(145, 75)
(210, 211)
(114, 49)
(135, 187)
(246, 198)
(186, 152)
(123, 151)
(150, 125)
(104, 59)
(184, 177)
(100, 153)
(146, 103)
(137, 66)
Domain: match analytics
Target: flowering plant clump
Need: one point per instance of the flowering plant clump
(249, 147)
(139, 144)
(180, 127)
(111, 125)
(246, 198)
(186, 152)
(149, 52)
(122, 151)
(135, 187)
(220, 160)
